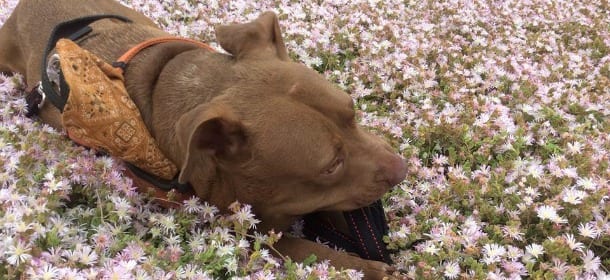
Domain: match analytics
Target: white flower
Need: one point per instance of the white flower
(122, 208)
(71, 255)
(535, 169)
(209, 212)
(590, 262)
(21, 226)
(402, 233)
(430, 248)
(513, 232)
(167, 223)
(188, 271)
(242, 243)
(47, 272)
(19, 253)
(55, 185)
(192, 205)
(574, 148)
(197, 243)
(572, 243)
(231, 264)
(534, 250)
(533, 192)
(560, 220)
(546, 212)
(128, 265)
(587, 230)
(429, 84)
(225, 250)
(573, 196)
(172, 240)
(452, 270)
(351, 274)
(559, 268)
(117, 272)
(602, 275)
(575, 57)
(587, 184)
(315, 61)
(426, 26)
(86, 255)
(570, 172)
(388, 86)
(492, 253)
(142, 275)
(513, 252)
(244, 214)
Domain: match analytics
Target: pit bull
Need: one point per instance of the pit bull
(249, 125)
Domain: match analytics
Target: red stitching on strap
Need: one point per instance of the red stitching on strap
(359, 236)
(340, 234)
(366, 218)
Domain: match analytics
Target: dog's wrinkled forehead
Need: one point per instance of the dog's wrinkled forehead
(312, 89)
(290, 132)
(325, 98)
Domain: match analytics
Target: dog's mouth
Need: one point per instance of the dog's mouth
(353, 203)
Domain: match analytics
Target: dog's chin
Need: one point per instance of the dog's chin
(349, 205)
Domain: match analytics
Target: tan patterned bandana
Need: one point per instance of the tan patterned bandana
(99, 113)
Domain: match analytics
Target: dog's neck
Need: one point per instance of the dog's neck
(142, 76)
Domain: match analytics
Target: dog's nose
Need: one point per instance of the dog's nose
(394, 169)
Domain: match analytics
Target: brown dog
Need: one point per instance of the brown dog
(252, 126)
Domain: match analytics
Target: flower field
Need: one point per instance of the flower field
(501, 109)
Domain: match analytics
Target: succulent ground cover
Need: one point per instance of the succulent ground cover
(500, 108)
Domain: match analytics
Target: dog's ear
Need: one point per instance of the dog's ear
(207, 134)
(254, 39)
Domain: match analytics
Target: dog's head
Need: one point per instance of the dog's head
(281, 137)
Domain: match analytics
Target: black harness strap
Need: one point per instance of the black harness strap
(366, 226)
(72, 29)
(369, 225)
(165, 185)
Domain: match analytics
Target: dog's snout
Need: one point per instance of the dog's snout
(394, 170)
(398, 171)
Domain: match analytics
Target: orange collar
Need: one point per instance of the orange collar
(131, 53)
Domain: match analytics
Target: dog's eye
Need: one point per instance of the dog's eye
(335, 166)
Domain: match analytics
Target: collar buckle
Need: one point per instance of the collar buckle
(43, 96)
